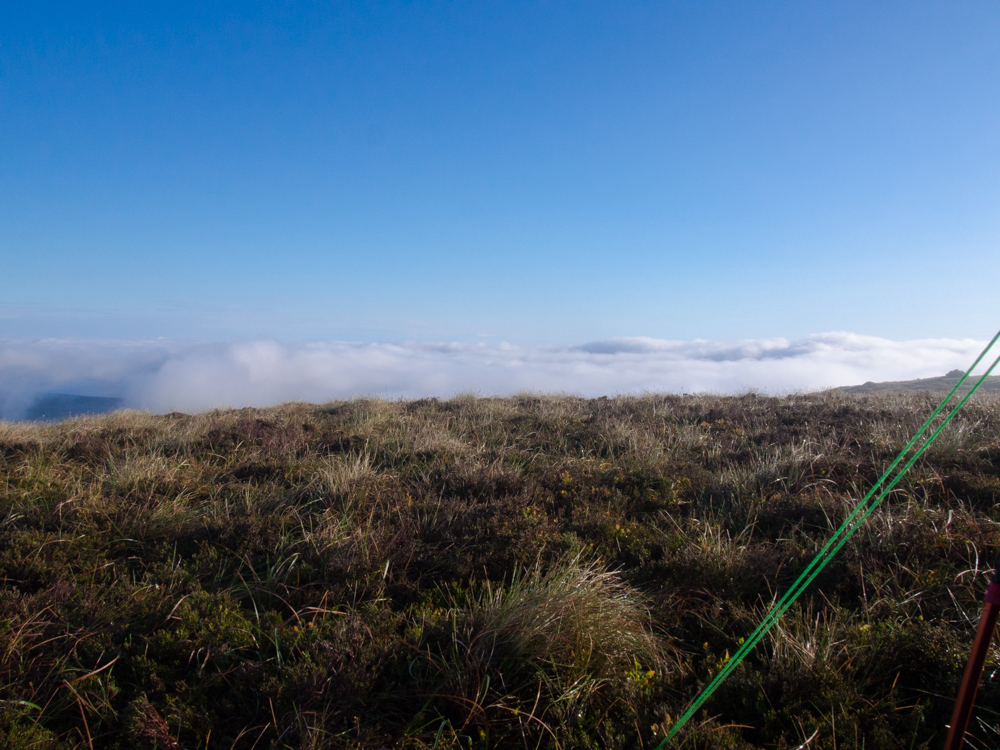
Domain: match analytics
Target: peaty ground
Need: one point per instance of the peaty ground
(478, 572)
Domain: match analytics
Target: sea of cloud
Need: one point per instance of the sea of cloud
(166, 376)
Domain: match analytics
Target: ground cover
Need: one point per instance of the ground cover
(477, 572)
(939, 386)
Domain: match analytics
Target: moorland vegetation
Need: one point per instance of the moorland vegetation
(517, 572)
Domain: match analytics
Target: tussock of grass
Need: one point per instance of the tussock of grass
(525, 572)
(572, 615)
(568, 640)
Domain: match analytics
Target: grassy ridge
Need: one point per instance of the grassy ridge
(939, 386)
(532, 571)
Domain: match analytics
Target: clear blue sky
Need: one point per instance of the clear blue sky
(532, 172)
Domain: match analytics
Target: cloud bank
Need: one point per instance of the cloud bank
(165, 376)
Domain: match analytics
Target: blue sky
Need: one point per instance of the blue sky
(530, 172)
(211, 204)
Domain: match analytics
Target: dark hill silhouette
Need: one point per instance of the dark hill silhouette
(53, 407)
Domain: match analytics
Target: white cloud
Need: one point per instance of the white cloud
(164, 376)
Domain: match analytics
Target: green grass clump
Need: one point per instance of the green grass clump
(569, 641)
(491, 572)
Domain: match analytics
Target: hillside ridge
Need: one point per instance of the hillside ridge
(941, 384)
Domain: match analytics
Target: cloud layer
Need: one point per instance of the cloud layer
(164, 376)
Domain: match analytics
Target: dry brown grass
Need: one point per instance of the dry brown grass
(489, 571)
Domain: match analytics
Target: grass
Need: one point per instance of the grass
(938, 386)
(533, 571)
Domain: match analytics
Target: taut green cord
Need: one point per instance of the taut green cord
(820, 558)
(791, 592)
(839, 538)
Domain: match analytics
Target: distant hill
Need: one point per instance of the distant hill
(53, 407)
(940, 385)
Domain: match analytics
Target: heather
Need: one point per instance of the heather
(533, 571)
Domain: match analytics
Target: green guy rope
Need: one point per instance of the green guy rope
(847, 529)
(822, 555)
